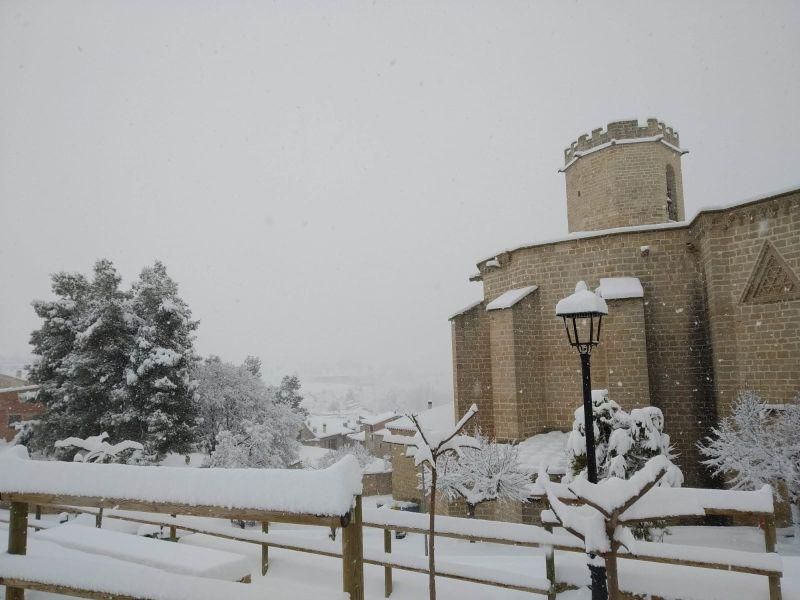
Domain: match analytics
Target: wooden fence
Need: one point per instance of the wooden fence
(711, 502)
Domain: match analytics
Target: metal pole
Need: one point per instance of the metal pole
(588, 419)
(598, 572)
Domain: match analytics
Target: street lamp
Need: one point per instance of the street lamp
(583, 313)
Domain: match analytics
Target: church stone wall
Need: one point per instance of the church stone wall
(720, 314)
(472, 372)
(755, 340)
(672, 311)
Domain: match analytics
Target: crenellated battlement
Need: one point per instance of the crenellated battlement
(620, 130)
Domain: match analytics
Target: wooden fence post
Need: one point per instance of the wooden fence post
(353, 555)
(387, 571)
(98, 518)
(264, 550)
(612, 575)
(550, 566)
(17, 540)
(770, 540)
(173, 531)
(38, 515)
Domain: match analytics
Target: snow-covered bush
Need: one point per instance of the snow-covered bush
(624, 442)
(757, 445)
(24, 431)
(96, 449)
(488, 471)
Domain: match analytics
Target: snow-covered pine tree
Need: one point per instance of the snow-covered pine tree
(160, 411)
(83, 351)
(757, 445)
(252, 364)
(288, 393)
(489, 471)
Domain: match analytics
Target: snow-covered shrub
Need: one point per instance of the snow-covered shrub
(757, 445)
(624, 443)
(488, 471)
(96, 449)
(24, 431)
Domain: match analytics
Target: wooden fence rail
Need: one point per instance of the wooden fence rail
(497, 533)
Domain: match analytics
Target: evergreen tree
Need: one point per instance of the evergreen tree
(253, 365)
(82, 348)
(160, 367)
(288, 393)
(116, 360)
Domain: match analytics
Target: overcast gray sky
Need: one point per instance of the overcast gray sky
(321, 177)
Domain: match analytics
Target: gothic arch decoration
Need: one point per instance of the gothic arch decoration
(772, 279)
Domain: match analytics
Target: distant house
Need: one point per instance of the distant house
(373, 429)
(14, 391)
(328, 431)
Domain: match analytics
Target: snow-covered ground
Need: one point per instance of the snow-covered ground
(673, 582)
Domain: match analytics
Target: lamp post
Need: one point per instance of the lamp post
(583, 313)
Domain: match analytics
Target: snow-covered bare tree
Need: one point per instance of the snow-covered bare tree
(756, 445)
(428, 447)
(489, 471)
(226, 396)
(268, 444)
(96, 449)
(241, 424)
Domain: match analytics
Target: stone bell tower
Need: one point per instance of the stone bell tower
(628, 174)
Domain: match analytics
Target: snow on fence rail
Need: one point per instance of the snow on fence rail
(597, 515)
(243, 492)
(329, 497)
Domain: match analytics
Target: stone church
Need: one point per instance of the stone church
(698, 310)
